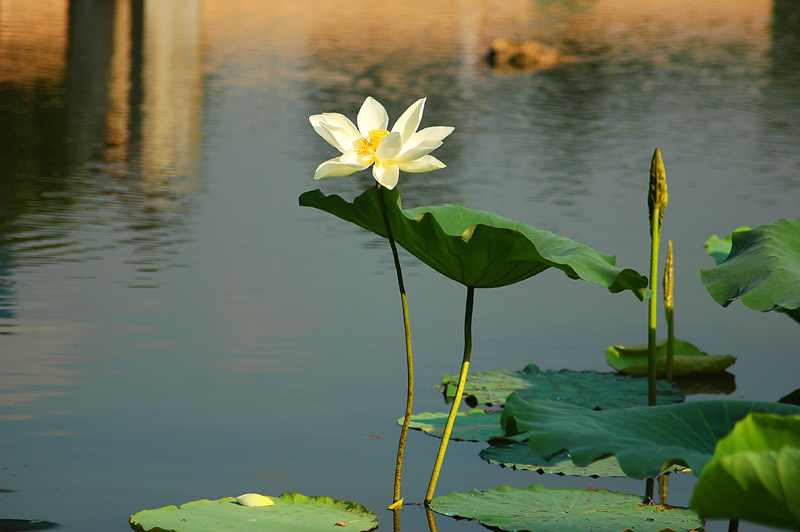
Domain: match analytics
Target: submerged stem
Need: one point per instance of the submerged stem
(398, 472)
(462, 379)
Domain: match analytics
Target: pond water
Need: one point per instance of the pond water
(174, 327)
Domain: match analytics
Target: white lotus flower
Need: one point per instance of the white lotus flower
(403, 148)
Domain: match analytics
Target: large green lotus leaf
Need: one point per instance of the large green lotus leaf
(762, 269)
(537, 508)
(478, 249)
(645, 439)
(719, 248)
(755, 473)
(291, 512)
(472, 425)
(687, 360)
(590, 389)
(519, 456)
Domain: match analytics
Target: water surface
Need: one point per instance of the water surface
(173, 325)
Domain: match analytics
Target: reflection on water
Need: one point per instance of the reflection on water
(95, 155)
(163, 144)
(92, 134)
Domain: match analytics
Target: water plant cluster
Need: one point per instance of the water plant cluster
(633, 421)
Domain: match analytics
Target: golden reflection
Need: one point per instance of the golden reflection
(33, 37)
(119, 86)
(386, 47)
(173, 88)
(155, 92)
(126, 80)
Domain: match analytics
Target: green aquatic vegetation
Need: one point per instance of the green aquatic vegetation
(371, 144)
(645, 440)
(519, 456)
(657, 199)
(669, 313)
(479, 250)
(754, 474)
(472, 425)
(475, 248)
(688, 360)
(591, 389)
(291, 512)
(537, 508)
(762, 268)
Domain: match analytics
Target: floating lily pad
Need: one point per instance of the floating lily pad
(645, 439)
(473, 425)
(589, 389)
(537, 508)
(478, 249)
(754, 474)
(688, 360)
(291, 512)
(762, 268)
(519, 456)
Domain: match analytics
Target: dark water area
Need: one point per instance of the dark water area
(173, 326)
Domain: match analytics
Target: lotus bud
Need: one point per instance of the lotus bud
(657, 196)
(668, 281)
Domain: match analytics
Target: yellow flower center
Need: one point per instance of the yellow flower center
(366, 148)
(376, 136)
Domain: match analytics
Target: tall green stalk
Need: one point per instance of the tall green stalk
(669, 283)
(656, 203)
(398, 472)
(462, 379)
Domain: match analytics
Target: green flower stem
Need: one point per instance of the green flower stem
(462, 379)
(655, 234)
(657, 198)
(398, 472)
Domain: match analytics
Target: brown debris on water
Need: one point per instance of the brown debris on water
(524, 54)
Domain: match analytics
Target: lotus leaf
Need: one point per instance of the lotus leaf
(645, 439)
(590, 389)
(537, 508)
(291, 512)
(519, 456)
(762, 269)
(688, 360)
(719, 248)
(473, 425)
(478, 249)
(754, 474)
